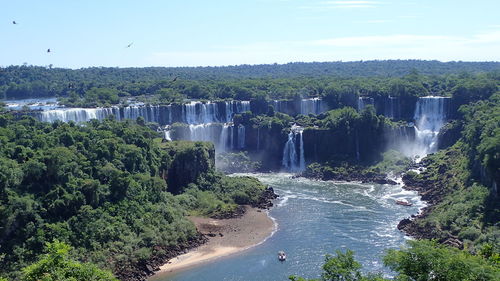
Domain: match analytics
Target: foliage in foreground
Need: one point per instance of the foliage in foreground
(56, 265)
(420, 261)
(428, 260)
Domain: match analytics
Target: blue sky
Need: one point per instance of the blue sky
(229, 32)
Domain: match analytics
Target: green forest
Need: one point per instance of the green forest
(335, 82)
(99, 200)
(102, 188)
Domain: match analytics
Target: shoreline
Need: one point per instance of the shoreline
(225, 237)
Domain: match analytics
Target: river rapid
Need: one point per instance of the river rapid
(315, 218)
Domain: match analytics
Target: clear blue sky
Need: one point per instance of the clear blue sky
(228, 32)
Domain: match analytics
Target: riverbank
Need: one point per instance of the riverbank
(433, 190)
(226, 236)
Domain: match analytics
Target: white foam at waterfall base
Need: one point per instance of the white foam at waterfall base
(430, 116)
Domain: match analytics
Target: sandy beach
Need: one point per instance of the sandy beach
(226, 236)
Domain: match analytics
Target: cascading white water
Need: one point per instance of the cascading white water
(167, 135)
(76, 114)
(229, 111)
(241, 136)
(189, 112)
(293, 161)
(150, 113)
(194, 112)
(311, 106)
(197, 112)
(170, 120)
(419, 139)
(302, 160)
(430, 116)
(277, 106)
(205, 132)
(305, 106)
(390, 107)
(243, 106)
(224, 138)
(363, 102)
(220, 135)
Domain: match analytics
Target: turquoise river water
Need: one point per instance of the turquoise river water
(315, 218)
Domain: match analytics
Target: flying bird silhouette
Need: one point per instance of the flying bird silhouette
(48, 50)
(14, 22)
(175, 78)
(128, 46)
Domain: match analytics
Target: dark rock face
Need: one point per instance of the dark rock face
(141, 270)
(266, 198)
(188, 163)
(266, 145)
(449, 134)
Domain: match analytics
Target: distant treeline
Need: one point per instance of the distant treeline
(100, 86)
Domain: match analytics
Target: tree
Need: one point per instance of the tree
(428, 260)
(342, 267)
(56, 265)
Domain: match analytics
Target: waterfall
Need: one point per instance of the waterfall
(170, 120)
(167, 135)
(418, 139)
(241, 136)
(150, 113)
(430, 116)
(311, 106)
(76, 114)
(293, 161)
(243, 106)
(218, 134)
(196, 112)
(389, 107)
(229, 111)
(363, 102)
(224, 138)
(277, 106)
(189, 113)
(304, 106)
(231, 137)
(302, 161)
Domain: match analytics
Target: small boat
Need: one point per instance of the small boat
(281, 256)
(403, 203)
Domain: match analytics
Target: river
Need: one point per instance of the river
(316, 218)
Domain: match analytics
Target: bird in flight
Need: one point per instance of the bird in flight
(14, 22)
(175, 78)
(129, 45)
(48, 50)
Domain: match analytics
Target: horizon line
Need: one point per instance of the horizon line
(252, 65)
